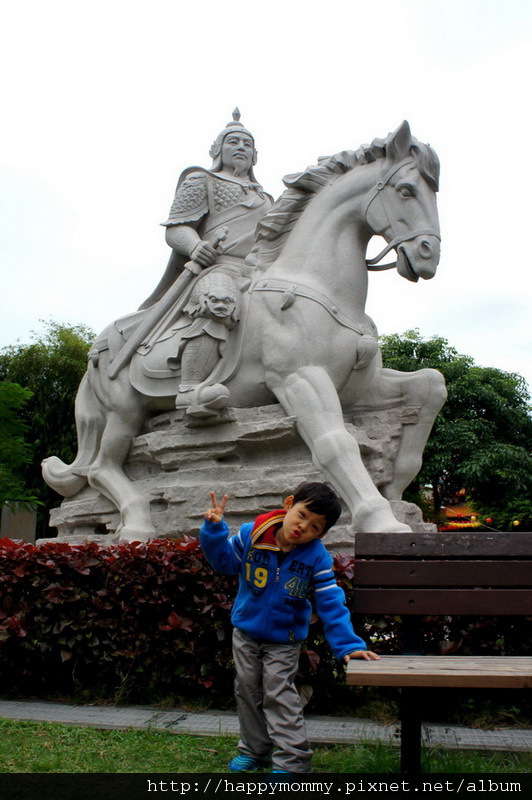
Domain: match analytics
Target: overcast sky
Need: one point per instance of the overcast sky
(104, 103)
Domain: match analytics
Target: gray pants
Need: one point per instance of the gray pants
(268, 703)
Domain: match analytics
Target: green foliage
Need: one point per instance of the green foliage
(51, 368)
(15, 451)
(482, 438)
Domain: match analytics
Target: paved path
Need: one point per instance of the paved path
(332, 730)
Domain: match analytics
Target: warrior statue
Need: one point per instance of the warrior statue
(263, 305)
(212, 223)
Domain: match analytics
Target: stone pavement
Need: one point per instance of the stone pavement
(321, 730)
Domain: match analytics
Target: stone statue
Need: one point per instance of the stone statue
(288, 327)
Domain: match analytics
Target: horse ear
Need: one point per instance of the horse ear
(400, 142)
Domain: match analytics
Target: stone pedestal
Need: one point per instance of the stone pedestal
(256, 457)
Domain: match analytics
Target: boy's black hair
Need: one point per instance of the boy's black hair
(320, 499)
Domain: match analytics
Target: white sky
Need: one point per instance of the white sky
(104, 103)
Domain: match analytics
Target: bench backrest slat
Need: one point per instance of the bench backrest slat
(443, 601)
(452, 573)
(444, 545)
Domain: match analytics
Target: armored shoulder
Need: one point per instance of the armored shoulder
(190, 201)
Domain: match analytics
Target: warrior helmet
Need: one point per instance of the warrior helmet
(235, 126)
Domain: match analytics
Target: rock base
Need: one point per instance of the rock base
(255, 455)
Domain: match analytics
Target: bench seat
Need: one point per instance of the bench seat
(481, 672)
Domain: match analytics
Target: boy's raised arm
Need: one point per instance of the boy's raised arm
(224, 552)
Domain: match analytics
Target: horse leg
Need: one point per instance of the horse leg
(424, 392)
(69, 479)
(107, 475)
(311, 396)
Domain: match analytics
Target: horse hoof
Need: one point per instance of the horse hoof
(397, 527)
(125, 534)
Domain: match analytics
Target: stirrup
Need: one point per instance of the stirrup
(207, 401)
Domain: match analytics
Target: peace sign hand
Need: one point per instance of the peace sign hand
(216, 512)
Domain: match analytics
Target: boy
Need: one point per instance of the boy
(279, 557)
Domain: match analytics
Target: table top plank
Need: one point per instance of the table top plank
(463, 671)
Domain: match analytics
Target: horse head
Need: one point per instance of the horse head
(401, 205)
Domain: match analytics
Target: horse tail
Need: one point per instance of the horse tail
(69, 479)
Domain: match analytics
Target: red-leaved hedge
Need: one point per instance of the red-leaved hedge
(150, 615)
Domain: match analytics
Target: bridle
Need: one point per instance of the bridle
(373, 263)
(291, 290)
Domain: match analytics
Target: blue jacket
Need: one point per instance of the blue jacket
(271, 603)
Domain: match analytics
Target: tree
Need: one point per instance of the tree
(15, 451)
(50, 368)
(482, 438)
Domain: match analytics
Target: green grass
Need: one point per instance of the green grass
(44, 747)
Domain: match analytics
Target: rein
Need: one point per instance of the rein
(372, 263)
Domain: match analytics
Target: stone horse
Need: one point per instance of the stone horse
(306, 341)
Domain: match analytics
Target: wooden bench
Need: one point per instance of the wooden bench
(439, 574)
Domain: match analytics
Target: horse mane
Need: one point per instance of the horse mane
(276, 225)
